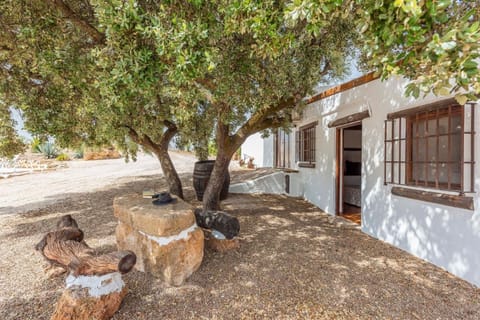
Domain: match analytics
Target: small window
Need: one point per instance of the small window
(282, 149)
(431, 146)
(305, 145)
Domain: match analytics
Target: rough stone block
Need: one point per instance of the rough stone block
(170, 256)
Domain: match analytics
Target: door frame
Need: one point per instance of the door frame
(339, 164)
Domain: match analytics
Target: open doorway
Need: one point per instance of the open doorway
(349, 172)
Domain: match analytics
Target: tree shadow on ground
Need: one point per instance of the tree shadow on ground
(294, 262)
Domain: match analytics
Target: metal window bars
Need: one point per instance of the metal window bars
(431, 147)
(305, 144)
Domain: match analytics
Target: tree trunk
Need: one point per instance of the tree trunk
(226, 147)
(211, 197)
(171, 175)
(161, 152)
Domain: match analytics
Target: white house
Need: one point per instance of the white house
(405, 167)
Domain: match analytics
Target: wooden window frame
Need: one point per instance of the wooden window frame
(282, 161)
(450, 111)
(398, 124)
(305, 145)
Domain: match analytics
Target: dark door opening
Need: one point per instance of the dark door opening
(349, 172)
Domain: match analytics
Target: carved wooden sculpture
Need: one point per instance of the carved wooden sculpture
(94, 287)
(65, 247)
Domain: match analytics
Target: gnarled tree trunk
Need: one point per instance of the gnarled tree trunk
(171, 175)
(226, 149)
(161, 152)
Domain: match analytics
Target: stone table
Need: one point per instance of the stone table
(166, 239)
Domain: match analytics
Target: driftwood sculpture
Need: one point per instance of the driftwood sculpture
(65, 248)
(95, 288)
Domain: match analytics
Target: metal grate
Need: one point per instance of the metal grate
(305, 145)
(431, 147)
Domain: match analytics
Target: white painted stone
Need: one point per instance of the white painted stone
(97, 285)
(163, 241)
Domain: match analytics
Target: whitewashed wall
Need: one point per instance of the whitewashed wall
(253, 147)
(446, 236)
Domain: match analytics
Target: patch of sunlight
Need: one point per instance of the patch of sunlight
(458, 265)
(249, 284)
(279, 208)
(307, 214)
(276, 221)
(294, 234)
(243, 267)
(48, 216)
(342, 294)
(321, 238)
(183, 290)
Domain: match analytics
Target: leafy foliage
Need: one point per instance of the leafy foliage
(436, 44)
(63, 157)
(10, 143)
(117, 71)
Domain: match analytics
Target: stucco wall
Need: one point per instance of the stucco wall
(252, 147)
(446, 236)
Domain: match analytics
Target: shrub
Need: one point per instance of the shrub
(78, 154)
(35, 145)
(49, 150)
(63, 157)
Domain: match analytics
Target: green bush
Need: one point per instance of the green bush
(63, 157)
(49, 150)
(35, 145)
(78, 154)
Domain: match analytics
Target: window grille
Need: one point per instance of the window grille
(305, 145)
(431, 146)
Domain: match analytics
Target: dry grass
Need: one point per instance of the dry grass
(294, 262)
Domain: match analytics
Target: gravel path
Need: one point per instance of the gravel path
(39, 189)
(294, 262)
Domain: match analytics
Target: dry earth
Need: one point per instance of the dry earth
(295, 262)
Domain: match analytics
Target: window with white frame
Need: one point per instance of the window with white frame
(431, 146)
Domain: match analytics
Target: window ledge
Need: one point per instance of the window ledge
(306, 164)
(456, 201)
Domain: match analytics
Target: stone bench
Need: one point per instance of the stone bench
(166, 239)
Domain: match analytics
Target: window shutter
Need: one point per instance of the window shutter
(297, 145)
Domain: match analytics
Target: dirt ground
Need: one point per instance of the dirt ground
(39, 189)
(294, 262)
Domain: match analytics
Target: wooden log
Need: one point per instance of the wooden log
(121, 261)
(228, 225)
(67, 222)
(67, 234)
(60, 235)
(66, 248)
(90, 297)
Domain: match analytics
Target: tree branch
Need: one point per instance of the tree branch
(97, 36)
(261, 119)
(147, 142)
